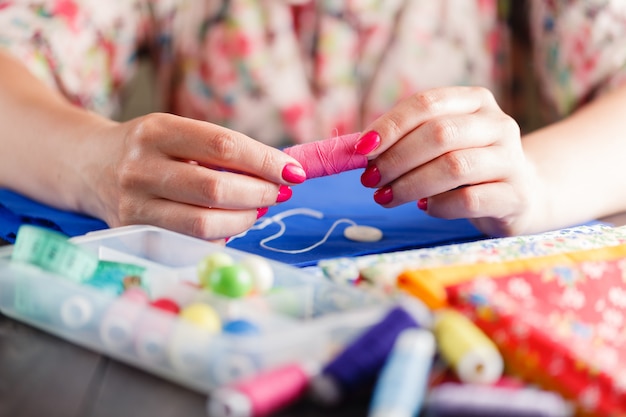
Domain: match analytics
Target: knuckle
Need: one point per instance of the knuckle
(147, 127)
(226, 146)
(213, 190)
(470, 201)
(200, 227)
(484, 92)
(394, 124)
(444, 133)
(512, 127)
(429, 101)
(268, 161)
(457, 165)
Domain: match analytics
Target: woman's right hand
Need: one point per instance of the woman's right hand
(185, 175)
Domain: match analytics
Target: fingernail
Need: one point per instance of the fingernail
(383, 195)
(371, 176)
(294, 174)
(367, 143)
(260, 212)
(284, 193)
(422, 204)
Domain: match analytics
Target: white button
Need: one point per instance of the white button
(363, 233)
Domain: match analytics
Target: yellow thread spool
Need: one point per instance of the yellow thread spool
(472, 355)
(429, 291)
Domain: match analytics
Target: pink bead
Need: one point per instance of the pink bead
(136, 294)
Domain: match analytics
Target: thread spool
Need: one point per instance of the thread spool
(472, 355)
(262, 394)
(190, 350)
(76, 311)
(426, 289)
(358, 365)
(233, 364)
(55, 303)
(401, 386)
(471, 400)
(119, 322)
(328, 157)
(153, 330)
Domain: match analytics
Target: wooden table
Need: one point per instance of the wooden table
(42, 375)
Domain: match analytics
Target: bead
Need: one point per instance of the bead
(261, 272)
(136, 294)
(167, 305)
(202, 316)
(363, 233)
(231, 281)
(241, 327)
(210, 263)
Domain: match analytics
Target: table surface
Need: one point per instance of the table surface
(43, 375)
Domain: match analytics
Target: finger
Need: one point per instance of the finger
(450, 171)
(441, 135)
(200, 222)
(496, 199)
(419, 108)
(213, 145)
(200, 186)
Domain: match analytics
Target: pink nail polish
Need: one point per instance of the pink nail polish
(262, 211)
(294, 174)
(371, 176)
(284, 193)
(367, 143)
(383, 195)
(422, 204)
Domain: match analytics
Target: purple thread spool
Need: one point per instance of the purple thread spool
(358, 366)
(474, 400)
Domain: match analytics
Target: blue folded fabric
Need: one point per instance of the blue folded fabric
(343, 196)
(16, 210)
(334, 197)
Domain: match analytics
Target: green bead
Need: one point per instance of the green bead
(210, 263)
(232, 281)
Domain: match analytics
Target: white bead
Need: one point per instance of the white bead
(261, 271)
(363, 233)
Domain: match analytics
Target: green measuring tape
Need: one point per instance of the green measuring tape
(53, 252)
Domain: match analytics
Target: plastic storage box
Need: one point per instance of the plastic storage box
(307, 318)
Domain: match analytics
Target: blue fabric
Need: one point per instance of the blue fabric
(16, 210)
(343, 196)
(337, 196)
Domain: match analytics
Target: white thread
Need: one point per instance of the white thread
(278, 219)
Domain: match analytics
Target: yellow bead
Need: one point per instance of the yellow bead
(203, 316)
(210, 263)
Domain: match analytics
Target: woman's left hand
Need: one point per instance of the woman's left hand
(455, 152)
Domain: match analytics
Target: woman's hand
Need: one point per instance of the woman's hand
(455, 152)
(185, 175)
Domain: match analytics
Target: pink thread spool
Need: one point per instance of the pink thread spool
(262, 394)
(328, 157)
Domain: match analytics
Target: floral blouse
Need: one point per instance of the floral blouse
(299, 70)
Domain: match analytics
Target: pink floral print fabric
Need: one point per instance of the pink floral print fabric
(292, 71)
